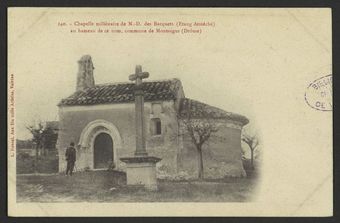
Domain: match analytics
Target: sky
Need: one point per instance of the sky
(228, 66)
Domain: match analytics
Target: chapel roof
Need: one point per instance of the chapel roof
(198, 109)
(123, 93)
(160, 90)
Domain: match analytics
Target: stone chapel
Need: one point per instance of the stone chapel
(100, 120)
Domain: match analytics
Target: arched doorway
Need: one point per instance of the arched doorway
(102, 151)
(87, 142)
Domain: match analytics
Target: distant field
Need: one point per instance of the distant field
(46, 164)
(109, 186)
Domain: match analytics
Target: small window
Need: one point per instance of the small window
(156, 126)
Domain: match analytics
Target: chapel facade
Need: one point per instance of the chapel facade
(100, 120)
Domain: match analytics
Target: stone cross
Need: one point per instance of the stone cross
(141, 168)
(138, 75)
(139, 110)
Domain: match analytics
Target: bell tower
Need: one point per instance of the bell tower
(85, 77)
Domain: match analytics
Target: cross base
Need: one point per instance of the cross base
(141, 153)
(141, 171)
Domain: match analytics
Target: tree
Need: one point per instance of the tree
(252, 141)
(37, 139)
(49, 138)
(200, 129)
(43, 136)
(37, 134)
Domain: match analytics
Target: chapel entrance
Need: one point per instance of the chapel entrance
(102, 151)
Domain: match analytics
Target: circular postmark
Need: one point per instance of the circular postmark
(319, 95)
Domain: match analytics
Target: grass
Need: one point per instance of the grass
(45, 164)
(109, 186)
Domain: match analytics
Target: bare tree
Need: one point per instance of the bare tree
(37, 134)
(43, 137)
(252, 141)
(200, 130)
(36, 131)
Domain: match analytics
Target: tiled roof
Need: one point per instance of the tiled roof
(123, 92)
(199, 110)
(153, 91)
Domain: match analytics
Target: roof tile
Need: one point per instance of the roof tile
(198, 109)
(122, 92)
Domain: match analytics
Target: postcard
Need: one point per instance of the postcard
(170, 112)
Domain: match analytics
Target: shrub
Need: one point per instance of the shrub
(111, 165)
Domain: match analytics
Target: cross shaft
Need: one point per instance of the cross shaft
(139, 110)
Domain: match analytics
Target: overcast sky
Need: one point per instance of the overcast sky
(238, 65)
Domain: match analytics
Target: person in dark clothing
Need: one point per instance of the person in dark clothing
(70, 156)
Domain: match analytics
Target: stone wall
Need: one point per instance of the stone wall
(222, 154)
(74, 119)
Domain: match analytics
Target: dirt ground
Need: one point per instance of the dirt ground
(109, 186)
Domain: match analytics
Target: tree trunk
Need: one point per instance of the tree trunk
(42, 151)
(252, 159)
(36, 158)
(200, 163)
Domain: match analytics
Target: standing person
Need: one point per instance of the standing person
(70, 156)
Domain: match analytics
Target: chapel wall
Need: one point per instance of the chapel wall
(222, 154)
(165, 146)
(73, 121)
